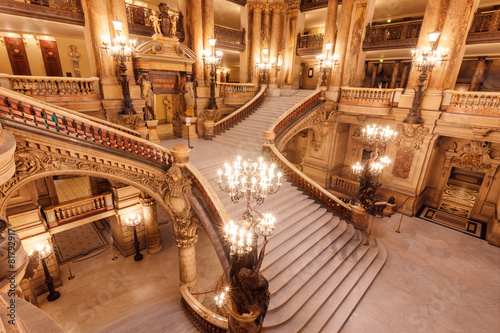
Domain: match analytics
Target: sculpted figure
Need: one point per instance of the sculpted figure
(148, 95)
(166, 22)
(73, 53)
(188, 91)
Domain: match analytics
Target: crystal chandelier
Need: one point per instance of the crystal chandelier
(253, 180)
(377, 135)
(264, 65)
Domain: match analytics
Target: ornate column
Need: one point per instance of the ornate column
(277, 28)
(195, 32)
(355, 44)
(208, 28)
(481, 69)
(395, 72)
(153, 241)
(266, 27)
(330, 27)
(374, 74)
(340, 49)
(292, 15)
(455, 29)
(183, 218)
(404, 75)
(256, 40)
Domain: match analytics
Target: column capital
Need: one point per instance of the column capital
(146, 200)
(185, 242)
(256, 6)
(278, 7)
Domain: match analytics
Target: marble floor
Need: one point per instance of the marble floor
(435, 280)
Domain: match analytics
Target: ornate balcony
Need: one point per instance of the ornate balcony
(66, 11)
(229, 38)
(485, 27)
(306, 5)
(309, 44)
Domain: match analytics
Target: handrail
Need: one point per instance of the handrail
(294, 111)
(369, 96)
(297, 176)
(44, 104)
(204, 314)
(53, 85)
(240, 113)
(241, 89)
(477, 102)
(23, 109)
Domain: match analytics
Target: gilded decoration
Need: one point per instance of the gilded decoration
(472, 155)
(32, 159)
(410, 137)
(321, 120)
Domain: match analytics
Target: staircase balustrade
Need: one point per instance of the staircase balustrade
(370, 96)
(344, 185)
(54, 85)
(239, 114)
(295, 175)
(237, 89)
(204, 319)
(78, 208)
(472, 102)
(24, 110)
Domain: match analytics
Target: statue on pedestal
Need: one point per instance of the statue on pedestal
(148, 95)
(188, 90)
(166, 21)
(74, 54)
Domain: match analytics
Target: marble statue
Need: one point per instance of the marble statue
(169, 110)
(147, 94)
(188, 91)
(74, 54)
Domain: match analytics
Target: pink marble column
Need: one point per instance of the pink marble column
(341, 46)
(478, 77)
(256, 40)
(395, 72)
(195, 26)
(208, 28)
(374, 74)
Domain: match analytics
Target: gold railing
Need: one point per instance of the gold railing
(78, 208)
(370, 96)
(472, 102)
(239, 114)
(307, 41)
(237, 89)
(486, 21)
(229, 38)
(53, 85)
(391, 31)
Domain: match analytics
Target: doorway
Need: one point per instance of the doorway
(461, 192)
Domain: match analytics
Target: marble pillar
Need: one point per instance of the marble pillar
(187, 262)
(340, 48)
(274, 44)
(208, 29)
(256, 40)
(266, 27)
(291, 28)
(395, 72)
(478, 77)
(374, 74)
(195, 33)
(355, 43)
(456, 26)
(330, 27)
(404, 75)
(153, 241)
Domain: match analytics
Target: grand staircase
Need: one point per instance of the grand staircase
(318, 266)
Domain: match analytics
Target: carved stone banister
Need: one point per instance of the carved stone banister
(239, 114)
(229, 38)
(310, 44)
(28, 111)
(203, 318)
(78, 208)
(237, 89)
(472, 102)
(370, 96)
(50, 86)
(344, 185)
(294, 111)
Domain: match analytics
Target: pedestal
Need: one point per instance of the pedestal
(359, 218)
(244, 323)
(153, 132)
(208, 126)
(191, 128)
(181, 154)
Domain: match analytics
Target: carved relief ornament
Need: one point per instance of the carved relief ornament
(410, 137)
(472, 156)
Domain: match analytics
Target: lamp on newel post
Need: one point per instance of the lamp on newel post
(133, 221)
(326, 62)
(44, 252)
(369, 171)
(212, 59)
(248, 292)
(121, 54)
(264, 65)
(425, 60)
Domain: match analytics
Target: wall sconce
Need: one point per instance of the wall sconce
(280, 63)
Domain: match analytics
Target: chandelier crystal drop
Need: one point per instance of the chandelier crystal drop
(378, 135)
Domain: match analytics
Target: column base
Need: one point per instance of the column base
(209, 126)
(154, 243)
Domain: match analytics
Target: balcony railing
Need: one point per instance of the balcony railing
(485, 28)
(472, 102)
(51, 86)
(306, 5)
(77, 209)
(344, 185)
(66, 11)
(229, 38)
(370, 96)
(309, 44)
(381, 36)
(237, 89)
(140, 23)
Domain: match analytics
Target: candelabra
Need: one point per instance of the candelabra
(133, 221)
(121, 54)
(326, 62)
(253, 180)
(212, 59)
(368, 172)
(44, 252)
(424, 60)
(264, 65)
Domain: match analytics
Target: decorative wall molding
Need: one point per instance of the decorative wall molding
(410, 137)
(473, 156)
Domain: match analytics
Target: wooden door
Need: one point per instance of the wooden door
(17, 56)
(51, 59)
